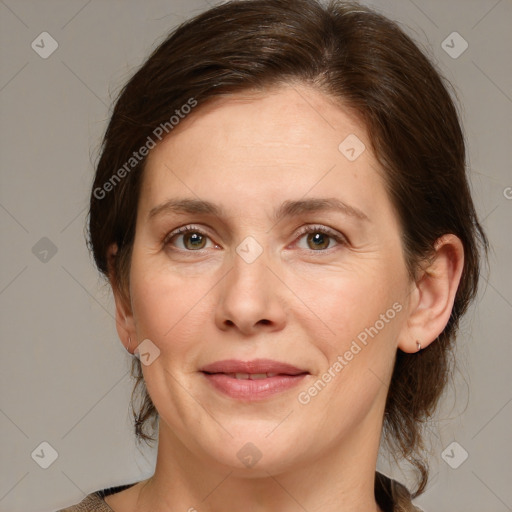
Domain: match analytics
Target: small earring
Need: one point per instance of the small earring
(419, 345)
(129, 341)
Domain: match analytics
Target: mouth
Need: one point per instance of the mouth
(252, 380)
(247, 376)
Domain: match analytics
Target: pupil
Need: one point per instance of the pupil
(319, 237)
(195, 239)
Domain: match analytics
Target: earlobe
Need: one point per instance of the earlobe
(124, 317)
(435, 292)
(124, 327)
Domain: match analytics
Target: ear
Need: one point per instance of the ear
(433, 295)
(125, 324)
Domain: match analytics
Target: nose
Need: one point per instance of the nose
(250, 298)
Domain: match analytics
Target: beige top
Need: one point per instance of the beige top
(391, 496)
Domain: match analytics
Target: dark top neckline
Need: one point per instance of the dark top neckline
(385, 491)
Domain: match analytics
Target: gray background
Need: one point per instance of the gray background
(64, 375)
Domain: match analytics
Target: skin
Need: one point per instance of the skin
(295, 303)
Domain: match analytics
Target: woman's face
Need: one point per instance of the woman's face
(300, 263)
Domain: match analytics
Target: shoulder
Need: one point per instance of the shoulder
(391, 495)
(91, 503)
(95, 501)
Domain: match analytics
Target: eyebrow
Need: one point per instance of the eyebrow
(287, 209)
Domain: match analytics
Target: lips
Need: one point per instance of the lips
(254, 369)
(251, 376)
(252, 380)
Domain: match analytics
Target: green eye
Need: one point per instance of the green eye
(319, 237)
(193, 238)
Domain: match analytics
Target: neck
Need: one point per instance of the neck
(341, 479)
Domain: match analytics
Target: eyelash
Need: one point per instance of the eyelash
(340, 239)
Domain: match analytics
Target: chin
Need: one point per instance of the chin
(254, 456)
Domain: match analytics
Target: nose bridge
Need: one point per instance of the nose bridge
(249, 293)
(250, 275)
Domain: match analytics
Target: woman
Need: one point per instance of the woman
(282, 210)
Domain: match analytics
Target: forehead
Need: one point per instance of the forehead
(292, 114)
(283, 141)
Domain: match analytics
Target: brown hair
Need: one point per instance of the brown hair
(364, 61)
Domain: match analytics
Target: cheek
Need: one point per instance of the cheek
(364, 314)
(167, 306)
(346, 303)
(364, 317)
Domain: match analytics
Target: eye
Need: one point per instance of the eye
(318, 238)
(192, 238)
